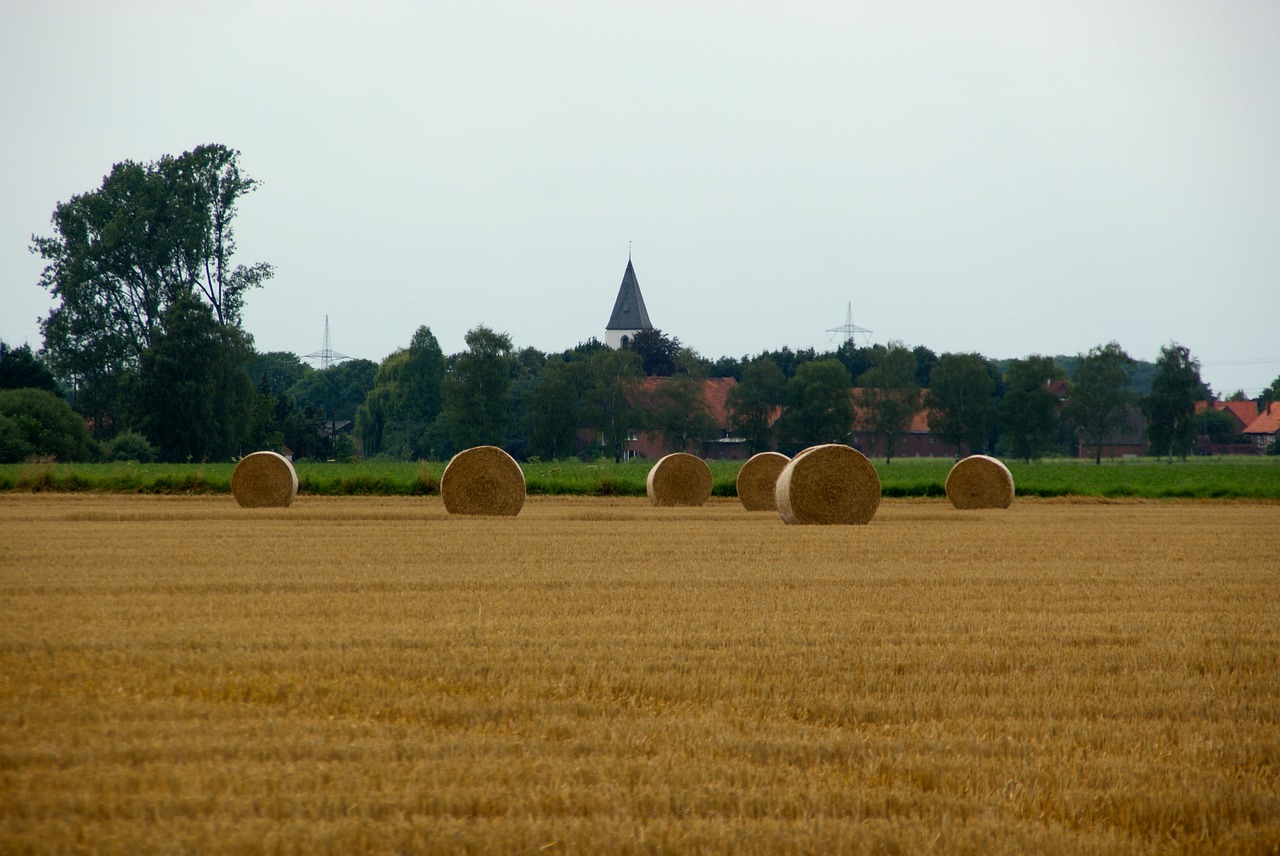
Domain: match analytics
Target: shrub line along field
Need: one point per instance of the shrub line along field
(1212, 478)
(370, 674)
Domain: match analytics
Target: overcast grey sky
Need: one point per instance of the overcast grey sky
(1005, 177)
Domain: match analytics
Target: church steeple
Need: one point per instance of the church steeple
(629, 315)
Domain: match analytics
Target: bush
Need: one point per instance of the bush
(47, 423)
(14, 446)
(129, 446)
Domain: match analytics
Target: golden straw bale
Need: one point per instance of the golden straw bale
(679, 479)
(980, 481)
(264, 480)
(828, 484)
(757, 478)
(483, 480)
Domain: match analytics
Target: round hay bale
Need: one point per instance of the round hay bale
(980, 481)
(757, 478)
(679, 479)
(483, 480)
(264, 480)
(828, 484)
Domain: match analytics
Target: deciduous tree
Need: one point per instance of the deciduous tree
(959, 401)
(553, 409)
(682, 415)
(889, 397)
(477, 390)
(192, 396)
(756, 402)
(659, 353)
(21, 369)
(1100, 396)
(1170, 408)
(819, 407)
(122, 254)
(1028, 413)
(608, 404)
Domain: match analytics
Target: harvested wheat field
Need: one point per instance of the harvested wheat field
(373, 675)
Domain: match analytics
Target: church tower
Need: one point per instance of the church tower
(629, 315)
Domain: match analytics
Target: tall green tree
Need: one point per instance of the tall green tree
(959, 401)
(192, 396)
(477, 390)
(926, 362)
(122, 254)
(659, 353)
(888, 397)
(280, 369)
(1100, 395)
(1028, 413)
(611, 381)
(819, 407)
(1170, 408)
(21, 369)
(682, 415)
(756, 402)
(553, 407)
(399, 414)
(337, 391)
(1270, 394)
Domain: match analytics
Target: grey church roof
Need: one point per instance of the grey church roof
(628, 310)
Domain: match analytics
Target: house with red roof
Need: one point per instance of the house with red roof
(920, 441)
(720, 444)
(1242, 413)
(717, 443)
(1265, 428)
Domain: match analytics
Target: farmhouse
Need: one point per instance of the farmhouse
(920, 441)
(1242, 414)
(1264, 430)
(1128, 440)
(717, 443)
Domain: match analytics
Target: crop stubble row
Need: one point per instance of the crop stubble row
(603, 675)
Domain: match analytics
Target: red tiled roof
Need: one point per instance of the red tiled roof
(919, 421)
(715, 391)
(1245, 411)
(1267, 422)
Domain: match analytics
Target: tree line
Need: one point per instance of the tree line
(145, 357)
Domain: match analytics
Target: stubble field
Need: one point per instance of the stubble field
(597, 675)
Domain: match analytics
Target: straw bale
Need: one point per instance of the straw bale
(679, 479)
(483, 480)
(828, 484)
(757, 478)
(264, 480)
(980, 481)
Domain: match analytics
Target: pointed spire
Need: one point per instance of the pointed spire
(628, 310)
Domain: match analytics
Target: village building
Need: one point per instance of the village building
(719, 445)
(1128, 440)
(1264, 430)
(919, 441)
(1242, 413)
